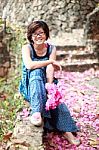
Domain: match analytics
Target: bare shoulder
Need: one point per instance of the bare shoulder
(52, 48)
(26, 46)
(52, 52)
(26, 49)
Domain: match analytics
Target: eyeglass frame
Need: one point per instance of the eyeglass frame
(36, 34)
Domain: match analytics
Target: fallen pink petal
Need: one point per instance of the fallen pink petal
(80, 96)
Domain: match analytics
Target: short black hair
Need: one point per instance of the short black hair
(33, 26)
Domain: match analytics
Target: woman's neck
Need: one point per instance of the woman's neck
(39, 47)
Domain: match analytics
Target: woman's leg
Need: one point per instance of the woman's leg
(71, 138)
(37, 100)
(61, 120)
(36, 95)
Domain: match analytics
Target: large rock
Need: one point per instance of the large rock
(27, 136)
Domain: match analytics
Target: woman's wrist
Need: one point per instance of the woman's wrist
(51, 61)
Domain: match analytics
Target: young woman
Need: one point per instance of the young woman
(39, 64)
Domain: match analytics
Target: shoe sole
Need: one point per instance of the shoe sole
(35, 122)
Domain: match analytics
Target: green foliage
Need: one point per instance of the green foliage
(1, 22)
(97, 5)
(9, 105)
(10, 101)
(17, 41)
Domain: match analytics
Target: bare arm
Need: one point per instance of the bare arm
(33, 64)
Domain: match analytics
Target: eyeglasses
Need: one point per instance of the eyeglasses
(36, 34)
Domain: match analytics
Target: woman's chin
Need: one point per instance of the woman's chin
(39, 42)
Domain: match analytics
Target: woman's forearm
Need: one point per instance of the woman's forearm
(38, 64)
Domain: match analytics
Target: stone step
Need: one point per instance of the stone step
(76, 62)
(77, 50)
(71, 48)
(75, 55)
(85, 56)
(77, 58)
(79, 66)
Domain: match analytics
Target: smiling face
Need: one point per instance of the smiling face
(37, 32)
(39, 36)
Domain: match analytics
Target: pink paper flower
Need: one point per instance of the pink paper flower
(54, 96)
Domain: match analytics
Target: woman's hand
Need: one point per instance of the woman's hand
(57, 66)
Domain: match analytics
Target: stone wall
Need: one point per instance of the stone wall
(4, 56)
(92, 30)
(61, 16)
(67, 18)
(92, 25)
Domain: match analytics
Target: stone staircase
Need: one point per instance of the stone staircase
(75, 53)
(78, 50)
(77, 58)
